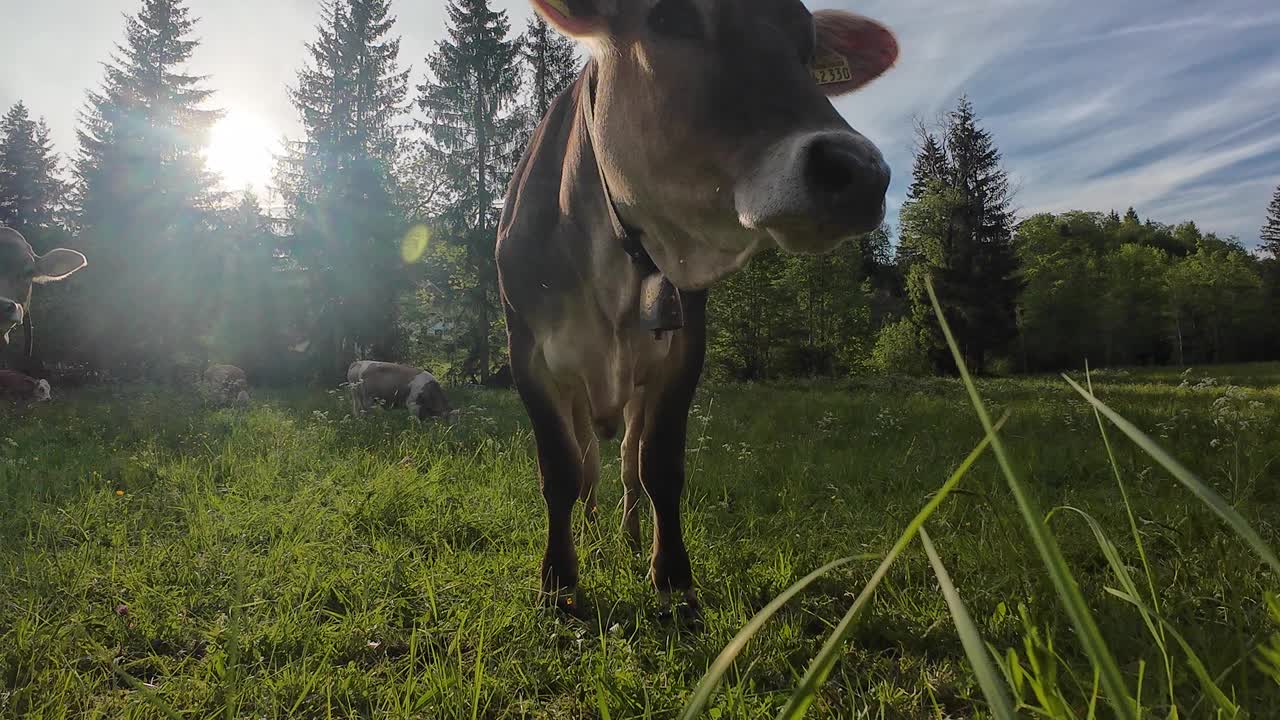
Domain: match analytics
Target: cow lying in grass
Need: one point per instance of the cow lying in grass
(396, 386)
(226, 385)
(22, 389)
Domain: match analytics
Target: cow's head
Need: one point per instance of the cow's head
(713, 117)
(19, 268)
(427, 399)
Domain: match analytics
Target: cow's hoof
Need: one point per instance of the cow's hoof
(687, 613)
(564, 601)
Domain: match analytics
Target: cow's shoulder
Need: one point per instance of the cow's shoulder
(552, 210)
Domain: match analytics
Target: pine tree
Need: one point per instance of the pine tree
(962, 228)
(473, 126)
(1270, 233)
(144, 197)
(931, 163)
(552, 63)
(30, 188)
(338, 182)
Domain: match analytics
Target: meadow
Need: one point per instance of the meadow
(162, 558)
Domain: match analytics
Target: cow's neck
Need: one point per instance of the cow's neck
(661, 308)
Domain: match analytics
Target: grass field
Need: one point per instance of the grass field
(290, 561)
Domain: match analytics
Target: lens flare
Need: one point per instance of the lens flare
(414, 244)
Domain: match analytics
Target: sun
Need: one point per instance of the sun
(241, 148)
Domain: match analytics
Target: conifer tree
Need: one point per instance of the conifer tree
(472, 125)
(1270, 233)
(30, 188)
(961, 226)
(339, 185)
(144, 197)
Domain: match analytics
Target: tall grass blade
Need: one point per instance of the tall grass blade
(992, 685)
(1202, 491)
(1064, 583)
(715, 673)
(821, 665)
(1156, 625)
(148, 695)
(1157, 630)
(1201, 672)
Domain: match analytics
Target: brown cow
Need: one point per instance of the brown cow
(19, 268)
(226, 384)
(22, 389)
(396, 386)
(699, 133)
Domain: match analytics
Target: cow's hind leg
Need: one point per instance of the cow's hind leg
(589, 447)
(631, 488)
(559, 463)
(662, 448)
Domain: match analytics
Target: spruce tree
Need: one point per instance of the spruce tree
(473, 126)
(144, 197)
(931, 164)
(1270, 233)
(30, 189)
(339, 184)
(551, 61)
(960, 228)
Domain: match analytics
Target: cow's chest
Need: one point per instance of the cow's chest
(603, 353)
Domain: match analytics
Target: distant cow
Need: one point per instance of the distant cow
(226, 384)
(19, 268)
(396, 386)
(700, 133)
(22, 389)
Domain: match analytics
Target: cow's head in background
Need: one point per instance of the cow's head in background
(713, 124)
(19, 268)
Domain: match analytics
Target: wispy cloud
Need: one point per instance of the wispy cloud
(1168, 105)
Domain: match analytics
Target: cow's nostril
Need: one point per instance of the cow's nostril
(831, 168)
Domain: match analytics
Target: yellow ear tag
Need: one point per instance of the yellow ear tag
(831, 69)
(561, 6)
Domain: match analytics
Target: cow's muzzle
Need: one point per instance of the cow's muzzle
(847, 179)
(814, 190)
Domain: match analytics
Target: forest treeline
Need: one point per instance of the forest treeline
(382, 244)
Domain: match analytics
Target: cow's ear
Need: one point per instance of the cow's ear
(575, 18)
(852, 51)
(58, 264)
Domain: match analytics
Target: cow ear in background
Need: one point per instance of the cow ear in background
(852, 51)
(58, 264)
(575, 18)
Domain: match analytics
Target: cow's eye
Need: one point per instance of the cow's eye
(676, 18)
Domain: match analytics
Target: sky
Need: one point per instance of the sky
(1172, 106)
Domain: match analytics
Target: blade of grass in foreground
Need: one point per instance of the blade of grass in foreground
(1157, 631)
(1206, 494)
(1129, 593)
(990, 682)
(821, 665)
(148, 695)
(1224, 703)
(711, 680)
(1118, 695)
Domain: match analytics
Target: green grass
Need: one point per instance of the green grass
(289, 561)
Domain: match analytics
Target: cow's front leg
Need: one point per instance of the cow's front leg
(559, 463)
(662, 448)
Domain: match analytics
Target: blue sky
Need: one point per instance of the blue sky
(1172, 106)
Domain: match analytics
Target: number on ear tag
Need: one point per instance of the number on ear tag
(831, 69)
